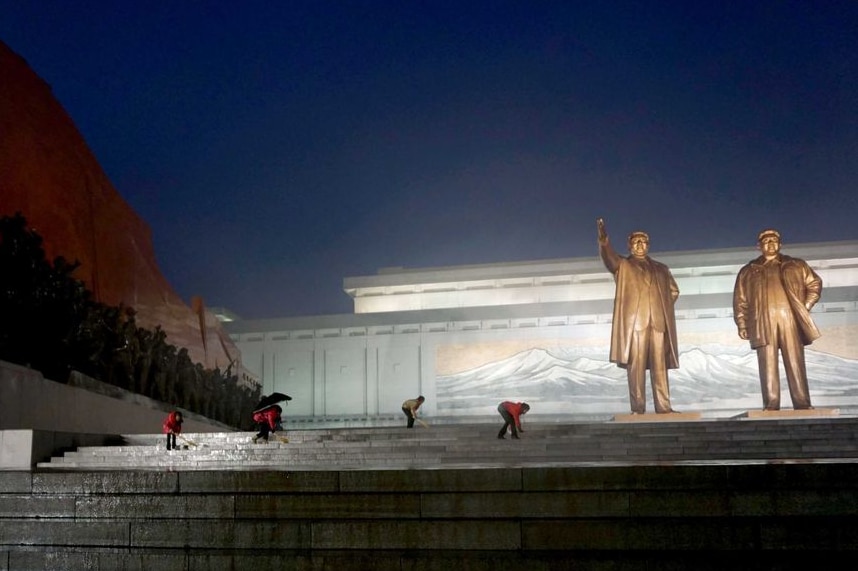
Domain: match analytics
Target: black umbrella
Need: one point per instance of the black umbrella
(271, 400)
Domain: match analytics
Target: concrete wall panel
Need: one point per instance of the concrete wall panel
(98, 560)
(104, 482)
(431, 480)
(262, 482)
(64, 532)
(160, 507)
(211, 534)
(503, 535)
(36, 506)
(399, 376)
(293, 374)
(304, 506)
(345, 381)
(526, 505)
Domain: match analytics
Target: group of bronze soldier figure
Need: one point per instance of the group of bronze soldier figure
(772, 299)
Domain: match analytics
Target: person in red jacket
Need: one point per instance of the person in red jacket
(511, 413)
(172, 427)
(268, 420)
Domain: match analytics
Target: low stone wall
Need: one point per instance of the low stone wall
(23, 449)
(40, 417)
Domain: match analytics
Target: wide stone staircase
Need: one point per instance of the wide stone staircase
(728, 494)
(477, 445)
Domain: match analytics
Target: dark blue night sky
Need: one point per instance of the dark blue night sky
(277, 147)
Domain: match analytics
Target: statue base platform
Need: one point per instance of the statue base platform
(654, 417)
(790, 413)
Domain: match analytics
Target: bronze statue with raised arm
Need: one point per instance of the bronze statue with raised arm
(643, 333)
(772, 300)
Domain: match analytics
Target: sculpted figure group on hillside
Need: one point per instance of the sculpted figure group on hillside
(772, 299)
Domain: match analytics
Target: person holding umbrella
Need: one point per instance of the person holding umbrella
(267, 415)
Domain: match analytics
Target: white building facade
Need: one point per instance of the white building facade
(468, 337)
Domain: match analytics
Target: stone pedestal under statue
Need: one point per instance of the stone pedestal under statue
(790, 413)
(655, 417)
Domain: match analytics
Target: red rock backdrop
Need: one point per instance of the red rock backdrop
(49, 174)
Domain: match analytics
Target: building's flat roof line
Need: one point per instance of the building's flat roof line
(443, 315)
(589, 264)
(535, 311)
(820, 251)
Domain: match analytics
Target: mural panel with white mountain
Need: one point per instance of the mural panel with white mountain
(569, 380)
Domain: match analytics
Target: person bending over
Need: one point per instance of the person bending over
(511, 413)
(268, 420)
(409, 408)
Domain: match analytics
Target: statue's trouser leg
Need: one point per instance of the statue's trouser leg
(792, 351)
(658, 372)
(636, 370)
(767, 361)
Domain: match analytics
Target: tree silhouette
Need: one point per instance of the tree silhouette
(49, 321)
(40, 303)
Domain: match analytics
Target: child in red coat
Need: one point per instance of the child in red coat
(172, 427)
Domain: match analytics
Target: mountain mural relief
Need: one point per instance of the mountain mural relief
(564, 381)
(49, 174)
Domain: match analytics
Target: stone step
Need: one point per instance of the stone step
(478, 445)
(593, 517)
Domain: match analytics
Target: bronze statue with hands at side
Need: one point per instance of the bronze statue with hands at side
(643, 332)
(772, 299)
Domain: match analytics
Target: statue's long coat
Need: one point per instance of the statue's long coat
(750, 307)
(630, 281)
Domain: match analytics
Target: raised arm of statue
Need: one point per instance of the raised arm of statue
(609, 257)
(603, 234)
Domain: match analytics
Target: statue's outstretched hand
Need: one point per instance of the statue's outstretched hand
(603, 234)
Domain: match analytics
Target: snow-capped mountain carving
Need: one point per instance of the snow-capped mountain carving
(709, 377)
